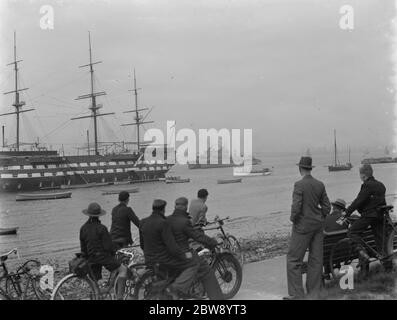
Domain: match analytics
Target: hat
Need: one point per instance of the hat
(305, 162)
(181, 201)
(339, 203)
(123, 196)
(94, 210)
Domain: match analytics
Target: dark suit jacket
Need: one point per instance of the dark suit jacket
(158, 242)
(122, 216)
(371, 196)
(310, 205)
(182, 229)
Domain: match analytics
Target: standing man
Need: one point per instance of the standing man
(310, 206)
(122, 216)
(367, 203)
(198, 209)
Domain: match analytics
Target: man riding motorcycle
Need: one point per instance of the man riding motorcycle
(367, 203)
(182, 230)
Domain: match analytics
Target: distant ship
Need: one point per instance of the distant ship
(386, 159)
(337, 166)
(40, 168)
(204, 162)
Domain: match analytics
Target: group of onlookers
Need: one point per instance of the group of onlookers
(310, 214)
(164, 241)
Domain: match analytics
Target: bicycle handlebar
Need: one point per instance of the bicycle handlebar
(15, 250)
(218, 221)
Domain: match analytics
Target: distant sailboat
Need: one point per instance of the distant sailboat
(337, 166)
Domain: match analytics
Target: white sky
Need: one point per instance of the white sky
(281, 67)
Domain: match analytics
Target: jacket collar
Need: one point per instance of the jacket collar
(369, 179)
(179, 212)
(308, 176)
(158, 214)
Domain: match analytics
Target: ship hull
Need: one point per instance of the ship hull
(42, 183)
(211, 166)
(339, 168)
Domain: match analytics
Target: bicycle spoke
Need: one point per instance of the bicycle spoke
(74, 288)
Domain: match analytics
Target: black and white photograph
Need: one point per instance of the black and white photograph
(198, 150)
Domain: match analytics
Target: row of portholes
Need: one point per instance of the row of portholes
(52, 185)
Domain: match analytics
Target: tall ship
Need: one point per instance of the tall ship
(337, 166)
(37, 168)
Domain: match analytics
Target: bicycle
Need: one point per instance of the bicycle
(343, 253)
(229, 241)
(87, 287)
(153, 284)
(17, 285)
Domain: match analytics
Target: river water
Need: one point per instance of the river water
(50, 229)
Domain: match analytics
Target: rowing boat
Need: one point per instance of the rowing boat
(43, 196)
(179, 180)
(117, 191)
(8, 231)
(224, 181)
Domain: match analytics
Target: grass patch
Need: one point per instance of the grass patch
(378, 286)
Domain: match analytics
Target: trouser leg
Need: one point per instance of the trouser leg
(121, 281)
(185, 279)
(298, 245)
(377, 231)
(356, 230)
(315, 264)
(211, 285)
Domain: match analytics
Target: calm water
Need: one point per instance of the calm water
(51, 228)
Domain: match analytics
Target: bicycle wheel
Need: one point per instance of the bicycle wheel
(73, 287)
(32, 268)
(343, 255)
(3, 296)
(228, 273)
(13, 287)
(235, 248)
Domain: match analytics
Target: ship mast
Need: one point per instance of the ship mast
(335, 145)
(139, 120)
(92, 95)
(17, 104)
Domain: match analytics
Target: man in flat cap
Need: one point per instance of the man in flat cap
(158, 242)
(182, 229)
(367, 203)
(310, 206)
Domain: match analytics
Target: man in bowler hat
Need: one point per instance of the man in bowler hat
(310, 206)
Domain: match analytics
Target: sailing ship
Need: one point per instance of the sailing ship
(337, 166)
(40, 168)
